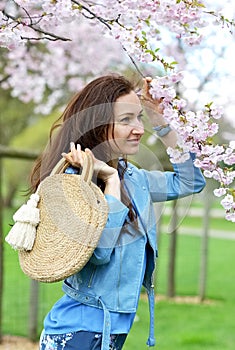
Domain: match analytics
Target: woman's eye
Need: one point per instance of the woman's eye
(140, 117)
(125, 120)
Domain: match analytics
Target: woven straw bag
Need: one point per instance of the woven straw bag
(73, 213)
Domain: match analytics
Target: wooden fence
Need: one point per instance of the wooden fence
(6, 152)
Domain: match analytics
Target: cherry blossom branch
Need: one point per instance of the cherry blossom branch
(230, 23)
(196, 131)
(49, 35)
(5, 79)
(108, 23)
(93, 15)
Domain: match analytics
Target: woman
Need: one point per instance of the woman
(100, 302)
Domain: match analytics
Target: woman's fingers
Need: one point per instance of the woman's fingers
(147, 100)
(145, 95)
(76, 154)
(87, 150)
(74, 157)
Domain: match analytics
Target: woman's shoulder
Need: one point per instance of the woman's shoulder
(134, 170)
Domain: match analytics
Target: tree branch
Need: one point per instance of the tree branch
(105, 22)
(102, 20)
(221, 18)
(36, 29)
(5, 79)
(54, 37)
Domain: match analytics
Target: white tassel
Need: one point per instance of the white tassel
(23, 233)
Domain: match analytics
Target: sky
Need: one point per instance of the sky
(219, 54)
(213, 58)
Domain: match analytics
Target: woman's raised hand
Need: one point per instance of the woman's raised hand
(154, 110)
(147, 100)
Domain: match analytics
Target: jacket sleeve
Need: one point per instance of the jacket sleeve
(116, 218)
(184, 180)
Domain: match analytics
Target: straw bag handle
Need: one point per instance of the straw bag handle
(87, 170)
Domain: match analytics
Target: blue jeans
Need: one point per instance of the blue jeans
(81, 340)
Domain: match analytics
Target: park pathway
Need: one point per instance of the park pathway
(195, 231)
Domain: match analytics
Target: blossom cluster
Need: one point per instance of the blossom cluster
(59, 67)
(136, 24)
(196, 131)
(44, 33)
(139, 23)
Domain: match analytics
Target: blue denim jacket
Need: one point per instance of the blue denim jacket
(111, 280)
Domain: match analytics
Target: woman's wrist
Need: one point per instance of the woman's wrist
(111, 178)
(113, 186)
(170, 139)
(162, 130)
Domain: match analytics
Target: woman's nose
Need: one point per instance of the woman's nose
(138, 128)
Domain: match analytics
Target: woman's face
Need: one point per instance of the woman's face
(128, 125)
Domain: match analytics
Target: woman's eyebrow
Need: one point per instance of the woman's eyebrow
(130, 113)
(126, 113)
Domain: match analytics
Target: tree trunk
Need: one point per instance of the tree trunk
(1, 251)
(172, 252)
(159, 229)
(204, 243)
(7, 201)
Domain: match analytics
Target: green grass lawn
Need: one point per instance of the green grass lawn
(179, 325)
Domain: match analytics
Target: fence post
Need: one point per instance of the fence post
(33, 310)
(1, 251)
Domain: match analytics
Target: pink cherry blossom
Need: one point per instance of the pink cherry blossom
(227, 202)
(230, 216)
(218, 192)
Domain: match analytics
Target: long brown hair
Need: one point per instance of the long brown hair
(86, 121)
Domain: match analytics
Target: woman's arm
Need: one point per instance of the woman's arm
(184, 180)
(108, 240)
